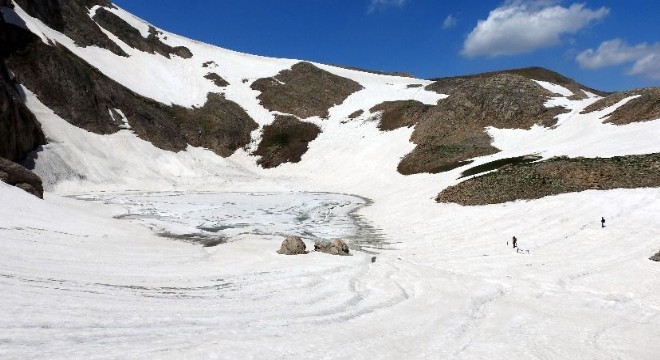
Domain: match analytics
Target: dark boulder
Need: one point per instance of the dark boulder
(16, 175)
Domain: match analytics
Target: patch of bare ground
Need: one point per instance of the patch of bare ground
(398, 114)
(555, 176)
(448, 84)
(85, 97)
(132, 36)
(217, 79)
(304, 91)
(356, 114)
(645, 107)
(285, 140)
(451, 133)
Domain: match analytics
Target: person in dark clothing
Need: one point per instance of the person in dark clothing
(602, 222)
(515, 242)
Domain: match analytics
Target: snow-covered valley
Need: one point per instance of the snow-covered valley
(112, 263)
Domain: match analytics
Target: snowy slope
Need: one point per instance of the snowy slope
(82, 284)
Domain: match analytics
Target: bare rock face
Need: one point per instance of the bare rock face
(130, 35)
(304, 91)
(85, 97)
(451, 133)
(20, 132)
(335, 247)
(526, 181)
(292, 245)
(285, 140)
(71, 18)
(646, 107)
(16, 175)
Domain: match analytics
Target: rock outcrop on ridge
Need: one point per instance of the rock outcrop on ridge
(451, 133)
(304, 91)
(644, 107)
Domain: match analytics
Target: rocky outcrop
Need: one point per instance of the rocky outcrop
(335, 247)
(20, 132)
(85, 97)
(556, 176)
(397, 114)
(451, 133)
(285, 140)
(304, 91)
(217, 79)
(132, 36)
(449, 84)
(16, 175)
(293, 245)
(71, 18)
(645, 107)
(655, 257)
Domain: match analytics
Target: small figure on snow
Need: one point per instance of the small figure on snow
(602, 222)
(515, 242)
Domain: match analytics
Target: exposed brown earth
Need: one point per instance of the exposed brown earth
(84, 96)
(304, 91)
(217, 79)
(448, 84)
(134, 38)
(646, 107)
(16, 175)
(451, 133)
(356, 114)
(556, 176)
(397, 114)
(285, 140)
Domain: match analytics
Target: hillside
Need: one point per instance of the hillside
(171, 170)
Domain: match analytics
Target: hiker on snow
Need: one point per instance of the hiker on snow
(602, 222)
(515, 242)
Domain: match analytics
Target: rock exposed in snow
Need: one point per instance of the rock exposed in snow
(304, 91)
(451, 133)
(556, 176)
(16, 175)
(132, 36)
(645, 107)
(655, 257)
(335, 247)
(293, 245)
(285, 140)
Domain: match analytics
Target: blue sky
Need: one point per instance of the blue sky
(605, 44)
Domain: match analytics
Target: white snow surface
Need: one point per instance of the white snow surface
(84, 273)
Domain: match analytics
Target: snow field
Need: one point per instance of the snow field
(78, 283)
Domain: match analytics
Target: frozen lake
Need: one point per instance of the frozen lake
(215, 218)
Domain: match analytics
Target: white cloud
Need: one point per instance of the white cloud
(523, 26)
(380, 4)
(645, 57)
(450, 22)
